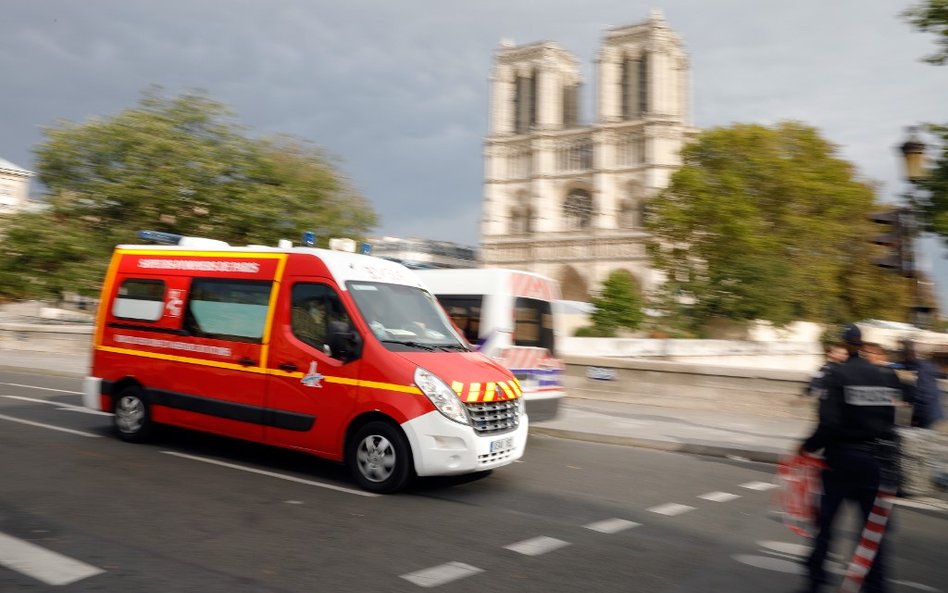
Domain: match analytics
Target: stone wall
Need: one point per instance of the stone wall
(764, 392)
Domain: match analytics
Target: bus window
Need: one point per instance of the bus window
(533, 324)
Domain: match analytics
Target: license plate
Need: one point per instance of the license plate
(501, 445)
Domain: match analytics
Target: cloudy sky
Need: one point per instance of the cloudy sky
(399, 90)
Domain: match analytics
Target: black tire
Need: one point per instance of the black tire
(379, 457)
(132, 418)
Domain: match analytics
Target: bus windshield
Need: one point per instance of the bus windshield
(404, 317)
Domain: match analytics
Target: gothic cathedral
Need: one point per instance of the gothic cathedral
(566, 200)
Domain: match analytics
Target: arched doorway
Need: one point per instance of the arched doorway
(573, 286)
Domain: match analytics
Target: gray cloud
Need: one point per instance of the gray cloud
(398, 91)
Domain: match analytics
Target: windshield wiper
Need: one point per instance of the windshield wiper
(451, 347)
(410, 344)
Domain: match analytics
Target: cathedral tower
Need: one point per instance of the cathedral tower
(564, 199)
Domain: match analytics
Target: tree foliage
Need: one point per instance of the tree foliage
(180, 165)
(931, 16)
(931, 202)
(619, 305)
(767, 223)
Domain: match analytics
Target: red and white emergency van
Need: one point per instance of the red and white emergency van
(344, 356)
(508, 315)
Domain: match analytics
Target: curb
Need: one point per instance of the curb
(707, 450)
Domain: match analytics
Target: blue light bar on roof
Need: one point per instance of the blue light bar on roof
(160, 237)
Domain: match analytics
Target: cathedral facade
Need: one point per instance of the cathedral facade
(565, 199)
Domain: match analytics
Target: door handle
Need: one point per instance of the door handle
(288, 367)
(246, 362)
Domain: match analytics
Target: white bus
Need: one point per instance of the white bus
(508, 315)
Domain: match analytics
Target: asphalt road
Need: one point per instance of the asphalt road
(81, 511)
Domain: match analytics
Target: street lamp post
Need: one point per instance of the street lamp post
(913, 160)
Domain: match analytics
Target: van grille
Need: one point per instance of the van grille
(494, 417)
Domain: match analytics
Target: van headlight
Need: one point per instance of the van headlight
(442, 396)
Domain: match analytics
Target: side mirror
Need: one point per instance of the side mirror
(344, 343)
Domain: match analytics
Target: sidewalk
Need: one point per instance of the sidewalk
(703, 432)
(50, 363)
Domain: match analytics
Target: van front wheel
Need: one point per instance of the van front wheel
(132, 419)
(379, 457)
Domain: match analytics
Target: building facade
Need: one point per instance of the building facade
(14, 188)
(565, 199)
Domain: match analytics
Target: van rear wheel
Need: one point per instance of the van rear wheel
(379, 457)
(132, 418)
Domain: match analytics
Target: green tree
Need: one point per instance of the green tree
(618, 306)
(181, 165)
(932, 201)
(931, 16)
(768, 223)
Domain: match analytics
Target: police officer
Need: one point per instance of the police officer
(835, 354)
(856, 415)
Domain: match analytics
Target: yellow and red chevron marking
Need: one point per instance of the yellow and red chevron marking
(487, 392)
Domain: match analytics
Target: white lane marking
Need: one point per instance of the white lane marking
(719, 496)
(769, 563)
(537, 545)
(611, 525)
(798, 550)
(60, 405)
(262, 472)
(439, 575)
(759, 486)
(670, 509)
(42, 388)
(41, 564)
(49, 426)
(912, 585)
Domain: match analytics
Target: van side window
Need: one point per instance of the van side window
(314, 307)
(140, 299)
(233, 310)
(465, 312)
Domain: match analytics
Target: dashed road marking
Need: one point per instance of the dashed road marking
(537, 546)
(761, 486)
(611, 525)
(719, 496)
(439, 575)
(41, 564)
(49, 426)
(670, 509)
(262, 472)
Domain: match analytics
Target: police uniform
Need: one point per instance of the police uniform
(856, 414)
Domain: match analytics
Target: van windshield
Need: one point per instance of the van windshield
(405, 317)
